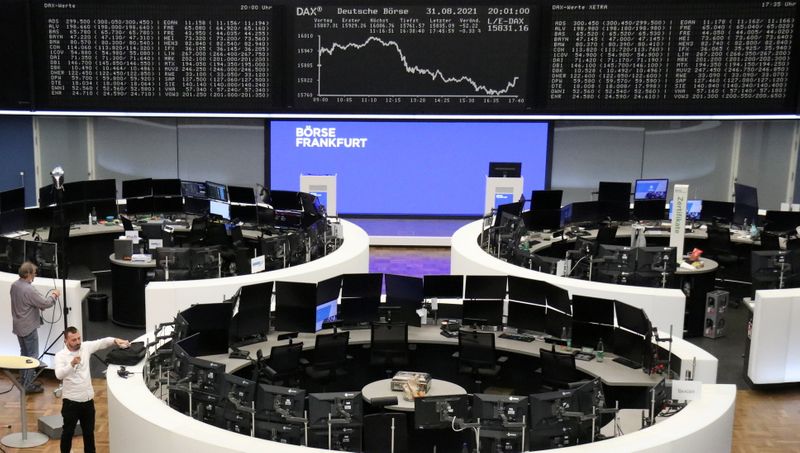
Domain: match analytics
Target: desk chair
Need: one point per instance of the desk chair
(198, 231)
(769, 241)
(477, 356)
(379, 433)
(330, 355)
(283, 365)
(389, 346)
(607, 234)
(127, 225)
(720, 249)
(558, 369)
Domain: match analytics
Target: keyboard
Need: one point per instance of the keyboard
(517, 337)
(627, 362)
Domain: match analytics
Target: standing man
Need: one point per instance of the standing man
(72, 368)
(26, 307)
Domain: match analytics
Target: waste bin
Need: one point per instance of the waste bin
(98, 307)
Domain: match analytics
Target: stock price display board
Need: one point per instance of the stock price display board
(179, 55)
(411, 58)
(663, 57)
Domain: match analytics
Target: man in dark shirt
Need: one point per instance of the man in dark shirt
(26, 307)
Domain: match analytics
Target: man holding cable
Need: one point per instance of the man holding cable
(72, 368)
(26, 315)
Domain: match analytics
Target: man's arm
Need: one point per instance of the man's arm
(63, 366)
(36, 299)
(103, 343)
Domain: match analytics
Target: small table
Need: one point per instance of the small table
(383, 388)
(22, 439)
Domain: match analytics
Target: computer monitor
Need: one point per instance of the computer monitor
(717, 210)
(208, 377)
(499, 409)
(632, 346)
(212, 322)
(781, 221)
(100, 189)
(295, 307)
(443, 286)
(135, 206)
(745, 194)
(362, 285)
(278, 403)
(240, 194)
(194, 189)
(557, 324)
(651, 189)
(196, 206)
(558, 298)
(632, 318)
(774, 269)
(485, 287)
(47, 195)
(580, 212)
(437, 412)
(556, 434)
(347, 406)
(483, 311)
(237, 391)
(326, 312)
(546, 199)
(549, 407)
(103, 208)
(250, 323)
(285, 433)
(404, 287)
(173, 258)
(648, 209)
(593, 309)
(355, 311)
(12, 200)
(506, 212)
(285, 200)
(219, 208)
(614, 210)
(167, 187)
(136, 188)
(656, 260)
(244, 214)
(588, 335)
(528, 290)
(614, 191)
(340, 437)
(505, 169)
(542, 219)
(216, 191)
(745, 214)
(526, 317)
(694, 209)
(168, 205)
(12, 221)
(617, 257)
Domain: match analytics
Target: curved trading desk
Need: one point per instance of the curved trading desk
(664, 307)
(163, 300)
(773, 352)
(140, 421)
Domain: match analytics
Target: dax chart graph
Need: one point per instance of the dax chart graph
(412, 58)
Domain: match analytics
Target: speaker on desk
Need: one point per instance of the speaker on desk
(716, 309)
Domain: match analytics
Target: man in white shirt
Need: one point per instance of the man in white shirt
(72, 368)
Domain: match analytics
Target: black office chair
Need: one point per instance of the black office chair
(283, 365)
(329, 358)
(607, 234)
(769, 241)
(720, 249)
(558, 369)
(477, 356)
(378, 433)
(389, 345)
(198, 231)
(127, 225)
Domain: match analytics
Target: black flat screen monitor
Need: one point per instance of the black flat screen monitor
(580, 212)
(528, 290)
(404, 287)
(250, 324)
(744, 194)
(339, 405)
(499, 408)
(632, 318)
(588, 335)
(359, 310)
(557, 323)
(103, 208)
(12, 200)
(505, 169)
(781, 221)
(620, 258)
(549, 407)
(278, 403)
(443, 286)
(614, 210)
(165, 205)
(135, 206)
(506, 212)
(75, 212)
(362, 285)
(745, 214)
(542, 219)
(485, 287)
(216, 191)
(167, 187)
(717, 210)
(295, 306)
(285, 200)
(219, 208)
(326, 312)
(694, 209)
(242, 390)
(11, 221)
(100, 189)
(285, 433)
(212, 322)
(47, 195)
(546, 199)
(208, 378)
(135, 188)
(764, 263)
(656, 260)
(74, 191)
(526, 317)
(240, 194)
(483, 311)
(649, 209)
(194, 189)
(632, 346)
(593, 309)
(651, 189)
(244, 214)
(437, 412)
(329, 289)
(614, 191)
(196, 206)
